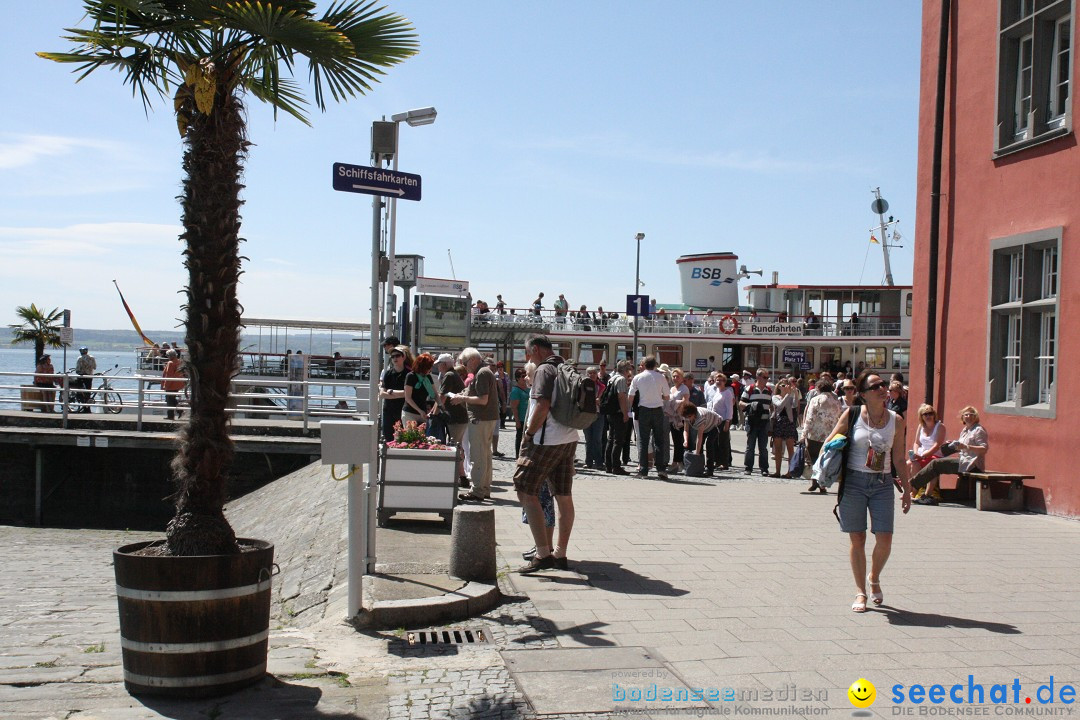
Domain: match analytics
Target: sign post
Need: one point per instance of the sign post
(636, 306)
(389, 183)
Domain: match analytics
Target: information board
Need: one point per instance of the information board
(442, 322)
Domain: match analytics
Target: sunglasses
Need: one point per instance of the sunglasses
(875, 386)
(849, 388)
(396, 355)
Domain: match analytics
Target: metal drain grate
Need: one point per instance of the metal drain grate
(447, 636)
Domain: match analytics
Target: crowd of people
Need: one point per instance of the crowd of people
(678, 422)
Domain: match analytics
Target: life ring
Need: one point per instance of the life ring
(728, 325)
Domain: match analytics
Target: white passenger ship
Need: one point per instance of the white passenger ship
(861, 325)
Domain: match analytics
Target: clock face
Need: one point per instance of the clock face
(404, 269)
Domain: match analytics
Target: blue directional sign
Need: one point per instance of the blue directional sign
(376, 181)
(637, 305)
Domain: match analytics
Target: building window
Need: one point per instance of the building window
(831, 358)
(591, 353)
(768, 356)
(1059, 72)
(901, 358)
(1023, 323)
(670, 355)
(874, 357)
(1034, 72)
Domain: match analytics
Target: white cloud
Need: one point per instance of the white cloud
(87, 239)
(23, 150)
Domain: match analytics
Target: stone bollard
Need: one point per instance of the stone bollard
(472, 544)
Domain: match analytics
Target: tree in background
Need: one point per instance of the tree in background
(210, 56)
(38, 327)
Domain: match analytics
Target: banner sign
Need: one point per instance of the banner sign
(441, 286)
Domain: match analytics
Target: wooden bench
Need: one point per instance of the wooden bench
(984, 484)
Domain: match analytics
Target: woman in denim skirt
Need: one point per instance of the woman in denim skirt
(876, 440)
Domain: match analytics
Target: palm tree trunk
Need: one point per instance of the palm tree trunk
(213, 164)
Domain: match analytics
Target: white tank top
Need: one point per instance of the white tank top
(879, 439)
(927, 441)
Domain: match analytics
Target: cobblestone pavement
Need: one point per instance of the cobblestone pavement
(735, 581)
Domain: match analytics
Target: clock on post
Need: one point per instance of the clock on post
(406, 269)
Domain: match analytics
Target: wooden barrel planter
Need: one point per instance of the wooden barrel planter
(193, 626)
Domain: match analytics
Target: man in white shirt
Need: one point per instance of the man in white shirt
(651, 387)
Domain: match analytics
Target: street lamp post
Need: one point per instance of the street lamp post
(637, 287)
(421, 116)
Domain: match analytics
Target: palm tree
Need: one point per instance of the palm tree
(38, 327)
(210, 55)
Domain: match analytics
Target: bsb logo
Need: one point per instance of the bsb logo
(712, 273)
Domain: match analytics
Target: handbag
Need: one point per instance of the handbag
(797, 464)
(948, 449)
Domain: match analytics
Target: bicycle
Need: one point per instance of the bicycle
(79, 400)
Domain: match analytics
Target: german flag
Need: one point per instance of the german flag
(134, 322)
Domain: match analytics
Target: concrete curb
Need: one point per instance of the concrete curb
(474, 599)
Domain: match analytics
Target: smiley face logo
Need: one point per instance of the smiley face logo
(862, 693)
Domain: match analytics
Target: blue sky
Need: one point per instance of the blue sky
(563, 129)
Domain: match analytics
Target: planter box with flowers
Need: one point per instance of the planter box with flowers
(418, 474)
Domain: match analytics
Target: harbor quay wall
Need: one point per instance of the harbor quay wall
(111, 487)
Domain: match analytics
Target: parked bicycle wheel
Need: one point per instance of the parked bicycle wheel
(113, 403)
(72, 402)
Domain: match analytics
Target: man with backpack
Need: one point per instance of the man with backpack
(547, 456)
(615, 405)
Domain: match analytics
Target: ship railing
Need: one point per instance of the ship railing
(142, 398)
(680, 324)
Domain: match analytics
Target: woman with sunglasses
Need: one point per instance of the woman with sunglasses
(970, 455)
(392, 390)
(928, 441)
(419, 391)
(847, 393)
(866, 485)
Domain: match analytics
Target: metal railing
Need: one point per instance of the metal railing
(144, 398)
(679, 323)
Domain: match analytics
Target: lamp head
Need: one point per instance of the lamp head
(420, 116)
(639, 236)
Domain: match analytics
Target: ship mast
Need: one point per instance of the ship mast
(881, 206)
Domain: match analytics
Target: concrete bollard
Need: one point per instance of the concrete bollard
(472, 544)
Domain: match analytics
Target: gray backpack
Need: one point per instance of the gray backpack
(573, 403)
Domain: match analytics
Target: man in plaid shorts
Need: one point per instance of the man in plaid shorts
(547, 455)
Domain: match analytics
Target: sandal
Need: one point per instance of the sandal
(878, 597)
(859, 607)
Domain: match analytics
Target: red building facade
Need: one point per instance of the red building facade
(1007, 272)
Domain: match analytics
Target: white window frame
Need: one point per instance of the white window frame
(1025, 80)
(1047, 357)
(1035, 48)
(1059, 72)
(1049, 273)
(1022, 327)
